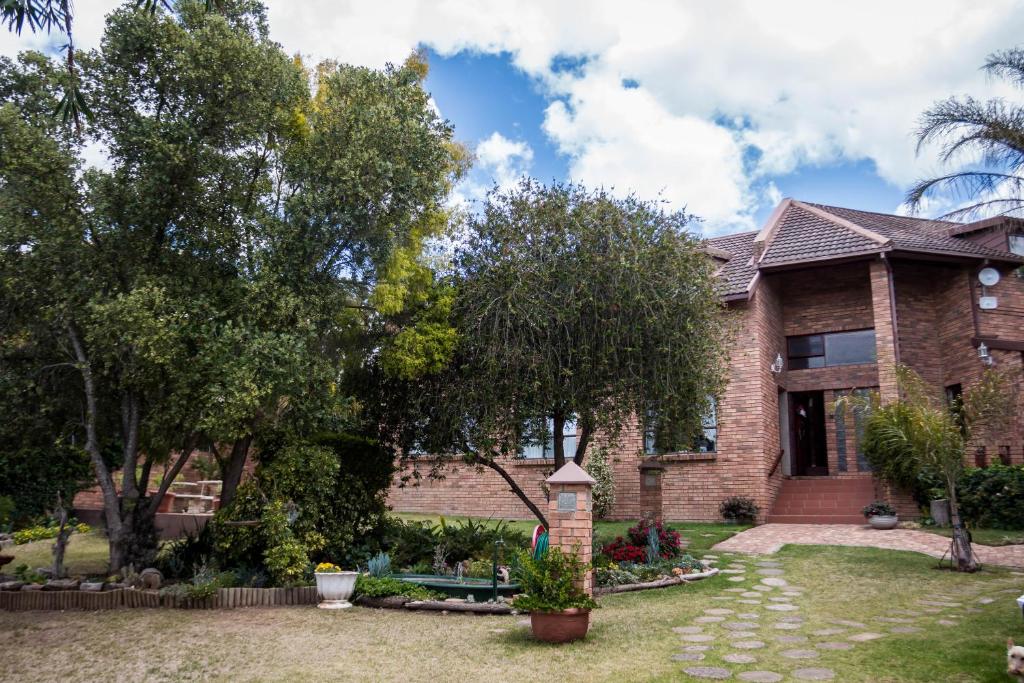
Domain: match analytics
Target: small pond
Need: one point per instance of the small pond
(481, 589)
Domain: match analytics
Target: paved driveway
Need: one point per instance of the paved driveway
(769, 538)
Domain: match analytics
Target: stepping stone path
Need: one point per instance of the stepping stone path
(708, 672)
(687, 629)
(687, 657)
(740, 625)
(698, 638)
(828, 632)
(905, 629)
(770, 571)
(763, 589)
(708, 620)
(786, 626)
(697, 648)
(864, 637)
(834, 646)
(800, 654)
(791, 639)
(748, 644)
(749, 602)
(814, 674)
(774, 581)
(736, 578)
(779, 607)
(717, 611)
(750, 594)
(739, 658)
(760, 676)
(748, 615)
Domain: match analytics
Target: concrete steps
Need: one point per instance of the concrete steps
(822, 500)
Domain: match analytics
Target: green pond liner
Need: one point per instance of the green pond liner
(481, 589)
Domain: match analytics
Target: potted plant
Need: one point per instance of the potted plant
(334, 586)
(881, 515)
(553, 595)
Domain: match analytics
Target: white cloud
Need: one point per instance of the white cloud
(498, 161)
(729, 94)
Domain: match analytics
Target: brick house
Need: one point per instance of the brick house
(829, 300)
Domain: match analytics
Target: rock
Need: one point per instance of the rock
(708, 672)
(151, 578)
(116, 585)
(11, 585)
(454, 600)
(814, 674)
(92, 586)
(62, 585)
(45, 572)
(739, 658)
(6, 543)
(32, 587)
(687, 657)
(799, 654)
(760, 676)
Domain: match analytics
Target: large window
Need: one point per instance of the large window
(539, 439)
(706, 443)
(1017, 244)
(834, 348)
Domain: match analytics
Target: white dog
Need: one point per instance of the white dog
(1014, 659)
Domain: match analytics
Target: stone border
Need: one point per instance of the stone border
(660, 583)
(121, 598)
(399, 602)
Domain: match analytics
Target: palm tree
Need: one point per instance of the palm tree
(993, 131)
(920, 432)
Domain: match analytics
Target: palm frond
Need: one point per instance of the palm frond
(39, 15)
(995, 129)
(970, 184)
(1007, 65)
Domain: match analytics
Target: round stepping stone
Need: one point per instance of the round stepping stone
(688, 657)
(750, 594)
(749, 615)
(782, 607)
(792, 618)
(760, 676)
(770, 571)
(769, 563)
(777, 598)
(736, 565)
(749, 602)
(791, 639)
(734, 571)
(687, 629)
(986, 601)
(708, 672)
(697, 648)
(905, 629)
(947, 622)
(698, 638)
(739, 625)
(721, 597)
(834, 646)
(895, 620)
(792, 594)
(718, 611)
(774, 581)
(828, 632)
(743, 634)
(786, 626)
(736, 578)
(851, 624)
(735, 590)
(747, 644)
(708, 620)
(814, 674)
(864, 637)
(800, 654)
(739, 658)
(763, 589)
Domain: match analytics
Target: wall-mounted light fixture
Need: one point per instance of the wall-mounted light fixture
(777, 365)
(984, 354)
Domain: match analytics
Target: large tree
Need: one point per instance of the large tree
(988, 136)
(567, 305)
(215, 278)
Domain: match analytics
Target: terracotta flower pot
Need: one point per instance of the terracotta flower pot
(335, 588)
(560, 627)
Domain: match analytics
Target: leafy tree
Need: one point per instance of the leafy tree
(214, 283)
(921, 433)
(992, 132)
(567, 304)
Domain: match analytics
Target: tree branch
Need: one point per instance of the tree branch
(516, 489)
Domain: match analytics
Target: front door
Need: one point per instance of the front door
(807, 433)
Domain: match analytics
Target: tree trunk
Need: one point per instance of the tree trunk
(233, 474)
(61, 543)
(962, 555)
(516, 489)
(557, 428)
(586, 431)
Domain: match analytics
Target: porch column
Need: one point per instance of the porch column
(886, 333)
(570, 516)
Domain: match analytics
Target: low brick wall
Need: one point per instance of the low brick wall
(226, 598)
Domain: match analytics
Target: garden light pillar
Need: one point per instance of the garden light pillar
(651, 475)
(570, 516)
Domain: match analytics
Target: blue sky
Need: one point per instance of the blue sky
(722, 108)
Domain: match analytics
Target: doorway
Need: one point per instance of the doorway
(807, 434)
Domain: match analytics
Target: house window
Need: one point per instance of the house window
(539, 439)
(1017, 244)
(706, 443)
(834, 348)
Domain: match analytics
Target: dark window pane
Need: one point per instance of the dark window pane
(809, 362)
(847, 348)
(809, 345)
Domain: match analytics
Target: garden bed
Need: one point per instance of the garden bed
(399, 602)
(226, 598)
(660, 583)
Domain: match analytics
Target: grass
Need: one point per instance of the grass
(991, 537)
(631, 638)
(87, 554)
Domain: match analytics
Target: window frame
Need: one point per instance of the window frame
(793, 359)
(546, 450)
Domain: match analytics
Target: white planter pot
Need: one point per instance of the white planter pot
(883, 521)
(335, 589)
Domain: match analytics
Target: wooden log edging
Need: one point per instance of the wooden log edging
(660, 583)
(226, 598)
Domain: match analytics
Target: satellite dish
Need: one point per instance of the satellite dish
(988, 276)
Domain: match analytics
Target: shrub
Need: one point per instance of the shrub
(181, 557)
(23, 573)
(41, 533)
(878, 508)
(739, 509)
(416, 543)
(480, 569)
(634, 547)
(549, 583)
(614, 576)
(379, 565)
(993, 496)
(603, 492)
(386, 587)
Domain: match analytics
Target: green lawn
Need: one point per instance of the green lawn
(631, 638)
(993, 537)
(87, 554)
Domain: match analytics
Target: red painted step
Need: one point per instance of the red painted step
(822, 500)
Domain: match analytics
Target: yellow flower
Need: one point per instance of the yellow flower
(327, 568)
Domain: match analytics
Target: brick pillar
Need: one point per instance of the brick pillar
(650, 490)
(570, 520)
(885, 331)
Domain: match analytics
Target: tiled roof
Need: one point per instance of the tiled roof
(800, 232)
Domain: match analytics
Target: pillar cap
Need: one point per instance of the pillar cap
(571, 473)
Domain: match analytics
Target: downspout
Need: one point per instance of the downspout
(892, 307)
